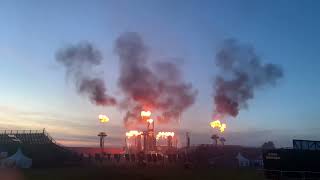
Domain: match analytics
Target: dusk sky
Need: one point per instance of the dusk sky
(35, 93)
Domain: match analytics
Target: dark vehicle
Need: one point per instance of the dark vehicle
(301, 161)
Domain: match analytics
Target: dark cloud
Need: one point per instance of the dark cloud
(80, 60)
(241, 74)
(160, 87)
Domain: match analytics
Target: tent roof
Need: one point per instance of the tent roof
(19, 156)
(240, 157)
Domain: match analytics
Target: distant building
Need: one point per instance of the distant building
(255, 161)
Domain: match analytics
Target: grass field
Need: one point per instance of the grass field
(104, 173)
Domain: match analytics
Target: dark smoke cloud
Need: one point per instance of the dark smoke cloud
(242, 73)
(80, 61)
(96, 90)
(159, 87)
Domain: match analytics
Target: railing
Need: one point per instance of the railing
(51, 139)
(22, 131)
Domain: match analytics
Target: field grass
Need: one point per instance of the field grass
(107, 173)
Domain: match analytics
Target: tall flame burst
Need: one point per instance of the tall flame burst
(103, 118)
(217, 124)
(164, 135)
(145, 114)
(133, 133)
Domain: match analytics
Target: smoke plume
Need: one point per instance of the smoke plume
(242, 72)
(80, 61)
(159, 87)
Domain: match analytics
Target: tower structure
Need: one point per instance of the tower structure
(102, 135)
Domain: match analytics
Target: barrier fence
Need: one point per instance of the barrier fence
(279, 174)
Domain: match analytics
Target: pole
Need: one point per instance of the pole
(102, 135)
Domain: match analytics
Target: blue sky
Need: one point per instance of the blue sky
(35, 94)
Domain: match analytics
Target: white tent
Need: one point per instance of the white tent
(3, 153)
(19, 160)
(243, 162)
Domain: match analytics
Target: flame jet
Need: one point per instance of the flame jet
(217, 124)
(164, 135)
(133, 133)
(103, 118)
(145, 114)
(150, 121)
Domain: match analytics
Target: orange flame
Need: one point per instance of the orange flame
(103, 118)
(133, 133)
(150, 121)
(219, 125)
(145, 113)
(164, 135)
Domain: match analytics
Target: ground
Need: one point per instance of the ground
(103, 173)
